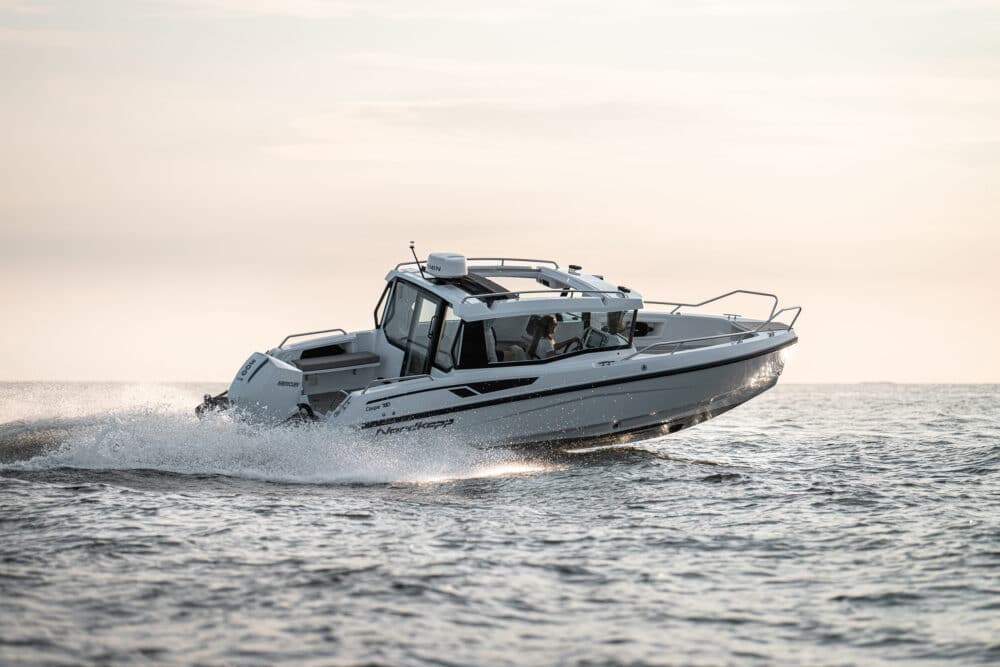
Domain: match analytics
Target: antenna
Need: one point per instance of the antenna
(418, 261)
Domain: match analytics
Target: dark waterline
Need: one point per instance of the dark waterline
(815, 525)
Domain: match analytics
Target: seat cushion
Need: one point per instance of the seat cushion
(346, 360)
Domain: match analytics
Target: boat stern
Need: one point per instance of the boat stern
(267, 389)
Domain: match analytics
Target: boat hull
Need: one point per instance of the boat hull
(647, 396)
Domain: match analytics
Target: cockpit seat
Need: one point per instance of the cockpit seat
(348, 360)
(511, 353)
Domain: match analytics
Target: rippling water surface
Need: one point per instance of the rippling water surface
(815, 525)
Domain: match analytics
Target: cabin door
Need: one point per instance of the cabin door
(419, 344)
(411, 322)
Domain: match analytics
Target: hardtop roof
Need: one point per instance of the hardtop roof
(474, 298)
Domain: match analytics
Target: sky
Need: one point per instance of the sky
(183, 182)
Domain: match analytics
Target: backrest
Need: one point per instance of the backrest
(533, 348)
(491, 342)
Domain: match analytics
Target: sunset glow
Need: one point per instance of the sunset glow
(182, 181)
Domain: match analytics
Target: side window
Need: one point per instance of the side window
(472, 347)
(546, 337)
(449, 343)
(399, 313)
(617, 325)
(382, 306)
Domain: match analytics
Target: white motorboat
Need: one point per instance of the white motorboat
(574, 359)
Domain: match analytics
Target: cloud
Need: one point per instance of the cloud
(38, 37)
(690, 87)
(464, 110)
(312, 9)
(482, 11)
(21, 7)
(395, 10)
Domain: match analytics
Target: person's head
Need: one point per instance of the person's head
(549, 325)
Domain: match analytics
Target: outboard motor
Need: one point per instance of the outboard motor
(268, 389)
(212, 404)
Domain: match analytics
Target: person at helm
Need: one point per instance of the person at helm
(545, 345)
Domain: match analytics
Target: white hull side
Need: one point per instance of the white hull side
(641, 397)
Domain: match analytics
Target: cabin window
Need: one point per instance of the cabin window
(398, 313)
(382, 306)
(471, 350)
(528, 337)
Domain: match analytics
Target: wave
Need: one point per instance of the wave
(158, 438)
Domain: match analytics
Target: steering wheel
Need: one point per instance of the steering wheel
(578, 345)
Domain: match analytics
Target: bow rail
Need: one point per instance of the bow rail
(739, 335)
(678, 305)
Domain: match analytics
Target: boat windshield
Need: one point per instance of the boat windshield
(542, 337)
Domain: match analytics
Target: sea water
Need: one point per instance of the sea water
(821, 525)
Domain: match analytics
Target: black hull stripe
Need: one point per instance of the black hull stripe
(579, 387)
(487, 387)
(490, 386)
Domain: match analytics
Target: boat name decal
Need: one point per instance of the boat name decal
(286, 383)
(419, 426)
(372, 408)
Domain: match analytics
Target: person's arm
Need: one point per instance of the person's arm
(568, 342)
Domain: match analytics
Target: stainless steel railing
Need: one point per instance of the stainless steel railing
(678, 305)
(503, 261)
(307, 333)
(567, 293)
(740, 335)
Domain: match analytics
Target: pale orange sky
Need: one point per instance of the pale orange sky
(185, 181)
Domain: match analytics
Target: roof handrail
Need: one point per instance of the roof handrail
(308, 333)
(739, 334)
(568, 292)
(678, 305)
(502, 260)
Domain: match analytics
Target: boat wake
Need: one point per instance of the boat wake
(154, 438)
(150, 427)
